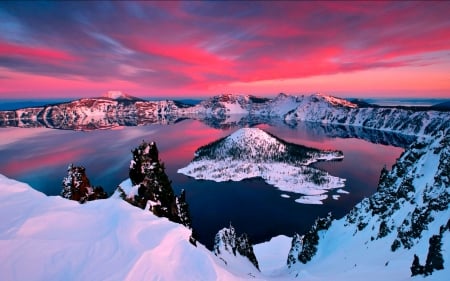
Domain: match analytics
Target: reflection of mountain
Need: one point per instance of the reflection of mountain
(251, 152)
(94, 113)
(341, 131)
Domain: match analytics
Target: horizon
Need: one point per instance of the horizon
(205, 97)
(179, 50)
(19, 103)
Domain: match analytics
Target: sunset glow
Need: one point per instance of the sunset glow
(198, 49)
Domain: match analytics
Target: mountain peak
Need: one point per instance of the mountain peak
(334, 100)
(250, 133)
(118, 95)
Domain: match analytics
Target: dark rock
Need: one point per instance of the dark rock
(76, 186)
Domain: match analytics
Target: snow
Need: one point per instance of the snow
(337, 101)
(256, 148)
(114, 94)
(283, 176)
(51, 238)
(272, 255)
(312, 199)
(342, 191)
(234, 108)
(359, 254)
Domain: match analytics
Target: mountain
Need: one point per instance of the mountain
(397, 120)
(442, 106)
(251, 152)
(223, 111)
(118, 109)
(118, 95)
(96, 113)
(404, 228)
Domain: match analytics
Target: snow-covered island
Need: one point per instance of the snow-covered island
(252, 152)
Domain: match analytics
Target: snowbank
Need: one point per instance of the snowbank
(51, 238)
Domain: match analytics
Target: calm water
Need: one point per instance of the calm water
(40, 157)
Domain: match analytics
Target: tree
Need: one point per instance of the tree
(416, 267)
(76, 186)
(155, 187)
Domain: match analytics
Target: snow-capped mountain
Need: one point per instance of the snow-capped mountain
(251, 152)
(96, 113)
(118, 95)
(404, 228)
(118, 109)
(398, 120)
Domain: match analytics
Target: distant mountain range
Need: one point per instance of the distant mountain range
(118, 109)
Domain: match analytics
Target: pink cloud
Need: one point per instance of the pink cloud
(175, 48)
(42, 54)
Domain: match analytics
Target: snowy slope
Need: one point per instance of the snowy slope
(403, 121)
(251, 152)
(383, 233)
(51, 238)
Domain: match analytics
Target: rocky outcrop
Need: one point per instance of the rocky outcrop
(228, 241)
(76, 186)
(152, 188)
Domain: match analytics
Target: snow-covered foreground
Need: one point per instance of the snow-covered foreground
(51, 238)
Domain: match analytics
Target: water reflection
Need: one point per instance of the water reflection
(40, 157)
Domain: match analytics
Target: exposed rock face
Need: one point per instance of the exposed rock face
(76, 186)
(154, 189)
(226, 240)
(303, 248)
(296, 248)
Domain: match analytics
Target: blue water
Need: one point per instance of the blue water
(40, 157)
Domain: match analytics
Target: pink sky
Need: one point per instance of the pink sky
(197, 49)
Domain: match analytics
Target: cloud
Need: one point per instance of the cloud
(197, 46)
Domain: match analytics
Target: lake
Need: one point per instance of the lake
(40, 156)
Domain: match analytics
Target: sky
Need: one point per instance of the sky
(204, 48)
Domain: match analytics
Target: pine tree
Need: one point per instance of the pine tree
(155, 187)
(435, 261)
(416, 267)
(183, 210)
